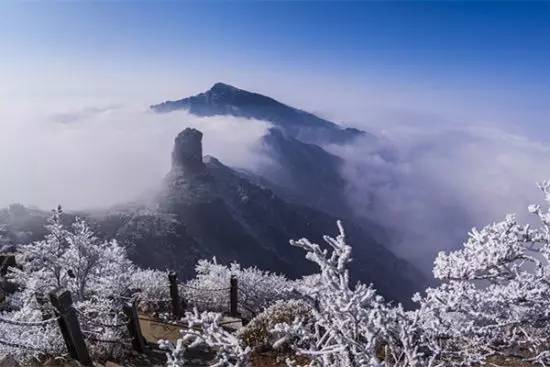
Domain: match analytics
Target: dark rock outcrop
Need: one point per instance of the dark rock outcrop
(187, 153)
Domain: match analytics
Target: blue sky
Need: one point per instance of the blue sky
(491, 58)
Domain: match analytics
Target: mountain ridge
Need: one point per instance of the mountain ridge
(225, 99)
(229, 216)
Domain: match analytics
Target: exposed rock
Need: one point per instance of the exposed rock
(187, 153)
(112, 364)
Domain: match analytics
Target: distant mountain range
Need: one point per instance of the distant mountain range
(224, 99)
(204, 208)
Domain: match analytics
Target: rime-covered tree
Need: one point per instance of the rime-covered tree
(495, 295)
(96, 272)
(75, 259)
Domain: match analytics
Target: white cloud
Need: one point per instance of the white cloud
(429, 185)
(97, 156)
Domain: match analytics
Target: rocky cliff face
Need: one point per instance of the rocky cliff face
(187, 153)
(188, 180)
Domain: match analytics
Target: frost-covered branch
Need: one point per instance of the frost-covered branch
(352, 326)
(204, 328)
(495, 296)
(96, 272)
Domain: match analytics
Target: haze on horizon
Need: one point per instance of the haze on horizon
(460, 91)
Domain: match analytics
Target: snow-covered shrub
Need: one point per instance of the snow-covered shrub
(73, 259)
(352, 325)
(205, 328)
(257, 333)
(495, 299)
(34, 340)
(153, 289)
(96, 272)
(258, 289)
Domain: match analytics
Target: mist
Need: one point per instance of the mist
(97, 156)
(429, 184)
(427, 180)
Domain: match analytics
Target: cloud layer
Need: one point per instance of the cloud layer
(427, 182)
(92, 157)
(429, 185)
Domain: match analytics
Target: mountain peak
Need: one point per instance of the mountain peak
(221, 87)
(225, 99)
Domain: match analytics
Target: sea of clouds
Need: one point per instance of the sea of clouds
(429, 186)
(98, 156)
(425, 181)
